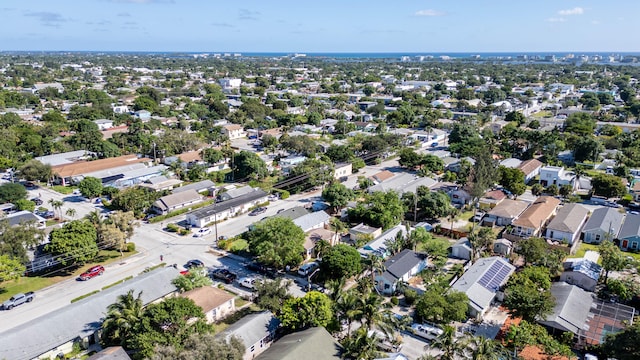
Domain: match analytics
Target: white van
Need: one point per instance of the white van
(307, 269)
(427, 331)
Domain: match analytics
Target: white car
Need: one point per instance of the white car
(202, 232)
(248, 282)
(427, 331)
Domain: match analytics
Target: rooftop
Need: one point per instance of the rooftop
(314, 343)
(208, 297)
(483, 279)
(538, 212)
(569, 218)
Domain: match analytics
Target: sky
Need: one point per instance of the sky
(411, 26)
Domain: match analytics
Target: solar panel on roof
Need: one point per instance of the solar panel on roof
(494, 276)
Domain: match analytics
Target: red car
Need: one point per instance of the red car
(92, 272)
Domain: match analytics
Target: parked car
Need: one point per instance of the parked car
(307, 268)
(224, 275)
(261, 269)
(258, 211)
(193, 263)
(478, 217)
(18, 299)
(273, 197)
(426, 331)
(248, 282)
(30, 185)
(37, 201)
(92, 272)
(202, 232)
(384, 343)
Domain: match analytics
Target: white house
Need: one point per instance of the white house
(400, 267)
(557, 175)
(604, 223)
(215, 303)
(462, 249)
(582, 272)
(233, 131)
(256, 331)
(103, 124)
(230, 83)
(567, 224)
(342, 170)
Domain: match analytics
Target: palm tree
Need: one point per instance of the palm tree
(122, 318)
(361, 346)
(56, 205)
(71, 212)
(449, 344)
(349, 309)
(375, 265)
(321, 248)
(482, 348)
(338, 226)
(95, 218)
(372, 313)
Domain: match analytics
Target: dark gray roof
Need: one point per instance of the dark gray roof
(569, 218)
(226, 205)
(198, 186)
(631, 227)
(167, 202)
(314, 343)
(571, 310)
(293, 213)
(481, 281)
(403, 262)
(253, 328)
(111, 353)
(605, 218)
(22, 217)
(80, 318)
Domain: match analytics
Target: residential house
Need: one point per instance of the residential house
(256, 332)
(103, 124)
(505, 212)
(482, 281)
(143, 115)
(160, 183)
(511, 163)
(172, 202)
(23, 217)
(629, 235)
(462, 249)
(402, 183)
(57, 331)
(381, 176)
(69, 172)
(491, 199)
(204, 186)
(235, 192)
(378, 246)
(582, 272)
(288, 163)
(226, 209)
(556, 175)
(315, 342)
(215, 303)
(230, 83)
(604, 223)
(342, 170)
(535, 217)
(635, 191)
(65, 158)
(502, 247)
(41, 86)
(399, 268)
(120, 109)
(233, 131)
(567, 224)
(110, 353)
(361, 230)
(571, 310)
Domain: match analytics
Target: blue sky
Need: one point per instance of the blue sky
(425, 26)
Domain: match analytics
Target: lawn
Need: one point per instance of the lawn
(583, 248)
(65, 190)
(34, 283)
(542, 114)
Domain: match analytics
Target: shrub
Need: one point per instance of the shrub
(410, 296)
(183, 232)
(394, 300)
(131, 247)
(173, 227)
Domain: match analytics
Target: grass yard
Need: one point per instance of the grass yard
(542, 114)
(65, 190)
(582, 249)
(239, 245)
(34, 283)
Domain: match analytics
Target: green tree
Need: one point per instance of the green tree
(76, 240)
(337, 195)
(612, 258)
(14, 240)
(381, 209)
(12, 192)
(24, 204)
(249, 165)
(483, 175)
(608, 185)
(451, 346)
(623, 345)
(515, 116)
(409, 158)
(587, 147)
(341, 261)
(122, 318)
(482, 348)
(195, 278)
(580, 123)
(537, 189)
(277, 241)
(34, 170)
(212, 156)
(10, 268)
(435, 307)
(360, 346)
(90, 187)
(203, 347)
(512, 180)
(434, 204)
(313, 309)
(134, 199)
(528, 294)
(271, 295)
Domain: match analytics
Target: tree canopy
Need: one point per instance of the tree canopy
(311, 310)
(75, 241)
(341, 261)
(277, 241)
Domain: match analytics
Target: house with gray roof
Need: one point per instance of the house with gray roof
(571, 310)
(482, 281)
(402, 183)
(172, 202)
(581, 272)
(256, 331)
(629, 234)
(314, 343)
(226, 209)
(24, 216)
(567, 224)
(111, 353)
(462, 249)
(235, 193)
(400, 267)
(79, 322)
(312, 221)
(65, 158)
(378, 246)
(604, 223)
(203, 186)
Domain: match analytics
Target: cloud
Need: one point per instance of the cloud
(222, 24)
(47, 18)
(246, 14)
(556, 19)
(123, 14)
(574, 11)
(429, 12)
